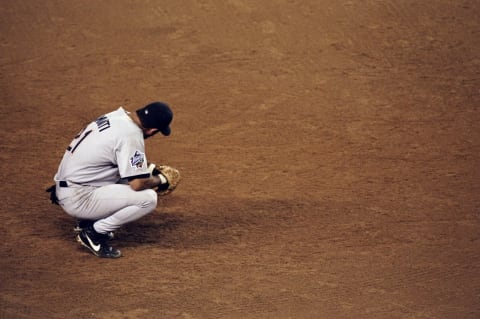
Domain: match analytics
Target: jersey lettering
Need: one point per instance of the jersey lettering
(102, 123)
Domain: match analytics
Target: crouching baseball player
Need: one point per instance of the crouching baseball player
(104, 179)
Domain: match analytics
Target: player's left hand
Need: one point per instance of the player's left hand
(172, 175)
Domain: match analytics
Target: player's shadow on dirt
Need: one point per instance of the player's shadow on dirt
(156, 230)
(180, 231)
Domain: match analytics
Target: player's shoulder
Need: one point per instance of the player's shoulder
(121, 117)
(122, 124)
(119, 113)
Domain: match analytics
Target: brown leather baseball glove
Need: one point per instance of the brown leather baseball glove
(172, 177)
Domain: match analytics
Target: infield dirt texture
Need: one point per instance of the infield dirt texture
(330, 151)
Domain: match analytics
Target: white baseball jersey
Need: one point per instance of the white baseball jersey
(108, 149)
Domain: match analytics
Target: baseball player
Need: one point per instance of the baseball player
(104, 179)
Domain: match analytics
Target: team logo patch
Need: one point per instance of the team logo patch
(137, 160)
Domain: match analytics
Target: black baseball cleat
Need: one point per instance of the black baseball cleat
(97, 243)
(84, 223)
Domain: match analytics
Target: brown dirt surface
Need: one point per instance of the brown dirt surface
(330, 152)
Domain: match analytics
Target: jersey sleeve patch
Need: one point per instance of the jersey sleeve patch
(137, 160)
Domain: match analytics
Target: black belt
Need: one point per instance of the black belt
(63, 184)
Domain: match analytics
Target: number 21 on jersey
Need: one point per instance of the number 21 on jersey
(78, 139)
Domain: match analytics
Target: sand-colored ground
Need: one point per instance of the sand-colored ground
(330, 153)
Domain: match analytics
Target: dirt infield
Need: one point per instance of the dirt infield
(330, 152)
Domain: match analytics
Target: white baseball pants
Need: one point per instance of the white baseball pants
(111, 206)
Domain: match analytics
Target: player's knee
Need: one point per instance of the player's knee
(150, 199)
